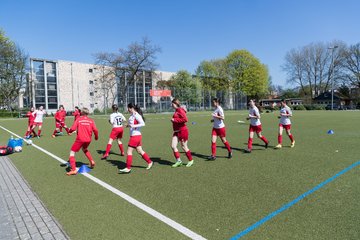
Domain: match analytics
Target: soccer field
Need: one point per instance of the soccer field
(217, 199)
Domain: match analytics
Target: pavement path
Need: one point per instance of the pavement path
(22, 214)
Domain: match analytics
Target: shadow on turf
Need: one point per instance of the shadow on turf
(161, 161)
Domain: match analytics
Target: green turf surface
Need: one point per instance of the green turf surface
(216, 199)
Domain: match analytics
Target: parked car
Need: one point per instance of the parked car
(335, 107)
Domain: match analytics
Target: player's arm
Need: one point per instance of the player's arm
(180, 117)
(74, 127)
(140, 121)
(96, 132)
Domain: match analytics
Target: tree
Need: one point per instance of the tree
(185, 87)
(12, 71)
(127, 63)
(351, 65)
(246, 73)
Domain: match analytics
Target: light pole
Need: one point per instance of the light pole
(332, 75)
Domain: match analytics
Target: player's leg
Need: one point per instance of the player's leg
(250, 141)
(288, 132)
(281, 128)
(184, 146)
(88, 154)
(108, 148)
(263, 138)
(213, 145)
(174, 143)
(129, 153)
(145, 157)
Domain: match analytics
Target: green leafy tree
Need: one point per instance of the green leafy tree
(246, 73)
(12, 71)
(185, 87)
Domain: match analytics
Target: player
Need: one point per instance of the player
(30, 123)
(285, 114)
(116, 120)
(218, 129)
(255, 126)
(76, 113)
(38, 121)
(60, 116)
(136, 121)
(85, 127)
(181, 134)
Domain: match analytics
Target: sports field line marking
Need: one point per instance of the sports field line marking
(177, 226)
(291, 203)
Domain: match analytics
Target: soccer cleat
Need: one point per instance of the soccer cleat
(278, 146)
(104, 157)
(266, 145)
(28, 137)
(92, 164)
(190, 163)
(38, 136)
(247, 150)
(292, 144)
(149, 165)
(229, 155)
(177, 164)
(71, 172)
(125, 170)
(211, 158)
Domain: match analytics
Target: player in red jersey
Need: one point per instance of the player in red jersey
(30, 123)
(85, 127)
(255, 126)
(76, 113)
(60, 116)
(181, 134)
(116, 120)
(136, 121)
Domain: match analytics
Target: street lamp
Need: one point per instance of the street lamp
(332, 75)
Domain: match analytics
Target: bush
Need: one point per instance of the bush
(299, 107)
(314, 106)
(97, 111)
(7, 114)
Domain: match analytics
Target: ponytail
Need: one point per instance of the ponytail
(137, 109)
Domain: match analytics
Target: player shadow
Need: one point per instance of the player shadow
(199, 155)
(116, 163)
(102, 152)
(161, 161)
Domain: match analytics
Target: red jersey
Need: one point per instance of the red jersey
(84, 127)
(31, 117)
(76, 114)
(60, 116)
(180, 119)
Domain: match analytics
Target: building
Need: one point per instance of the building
(56, 82)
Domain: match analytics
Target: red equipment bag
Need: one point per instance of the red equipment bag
(5, 150)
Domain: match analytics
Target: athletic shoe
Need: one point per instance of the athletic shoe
(53, 136)
(149, 165)
(278, 146)
(28, 137)
(72, 172)
(125, 170)
(104, 157)
(292, 144)
(247, 150)
(229, 155)
(211, 158)
(38, 136)
(92, 164)
(266, 145)
(177, 164)
(190, 163)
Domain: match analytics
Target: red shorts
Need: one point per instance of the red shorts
(117, 133)
(37, 124)
(256, 129)
(286, 127)
(30, 124)
(221, 132)
(59, 124)
(135, 141)
(182, 135)
(78, 145)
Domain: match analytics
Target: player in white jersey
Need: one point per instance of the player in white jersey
(136, 121)
(116, 120)
(39, 117)
(218, 130)
(255, 126)
(285, 114)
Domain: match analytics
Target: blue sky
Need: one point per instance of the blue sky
(188, 31)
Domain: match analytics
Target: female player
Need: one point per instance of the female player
(116, 120)
(76, 113)
(84, 126)
(285, 114)
(218, 129)
(255, 126)
(60, 116)
(181, 134)
(30, 123)
(38, 121)
(136, 121)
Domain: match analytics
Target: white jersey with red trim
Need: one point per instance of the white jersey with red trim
(254, 111)
(117, 119)
(136, 121)
(218, 123)
(39, 115)
(285, 120)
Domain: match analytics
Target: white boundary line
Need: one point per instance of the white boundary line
(177, 226)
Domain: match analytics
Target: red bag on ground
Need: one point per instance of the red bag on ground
(5, 150)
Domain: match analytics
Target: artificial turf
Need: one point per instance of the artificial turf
(216, 199)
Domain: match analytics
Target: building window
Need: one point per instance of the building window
(91, 94)
(91, 105)
(91, 82)
(90, 70)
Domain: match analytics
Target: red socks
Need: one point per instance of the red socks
(280, 139)
(213, 149)
(227, 145)
(176, 155)
(72, 163)
(121, 149)
(264, 140)
(108, 147)
(250, 140)
(291, 137)
(188, 155)
(146, 157)
(128, 161)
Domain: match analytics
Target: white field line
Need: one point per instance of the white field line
(177, 226)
